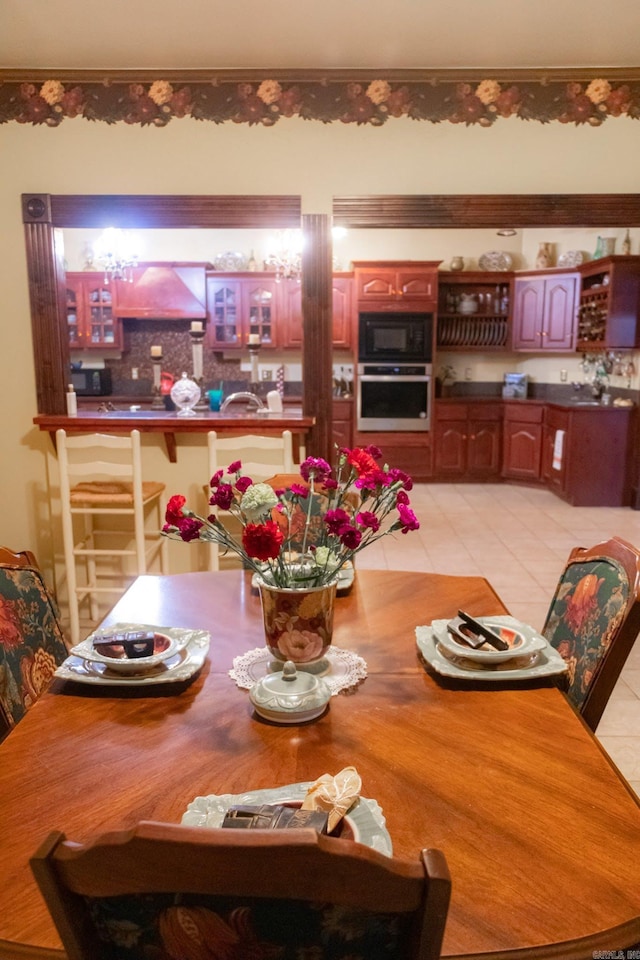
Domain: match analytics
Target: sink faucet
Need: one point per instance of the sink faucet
(242, 395)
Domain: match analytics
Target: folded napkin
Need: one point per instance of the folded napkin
(335, 795)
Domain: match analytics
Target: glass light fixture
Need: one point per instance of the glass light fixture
(286, 255)
(116, 250)
(506, 232)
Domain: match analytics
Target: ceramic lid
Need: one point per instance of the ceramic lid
(290, 696)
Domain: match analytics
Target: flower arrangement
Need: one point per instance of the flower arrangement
(302, 536)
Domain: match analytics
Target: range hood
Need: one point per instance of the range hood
(163, 291)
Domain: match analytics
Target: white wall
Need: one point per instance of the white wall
(293, 157)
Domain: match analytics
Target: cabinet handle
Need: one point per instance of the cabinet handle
(472, 437)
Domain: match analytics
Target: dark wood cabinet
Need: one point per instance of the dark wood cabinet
(410, 451)
(289, 318)
(609, 304)
(239, 306)
(91, 319)
(343, 422)
(467, 440)
(396, 284)
(522, 447)
(545, 312)
(474, 309)
(587, 454)
(158, 290)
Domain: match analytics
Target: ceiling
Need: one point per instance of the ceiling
(324, 34)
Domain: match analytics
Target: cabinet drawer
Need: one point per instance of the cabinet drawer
(523, 412)
(451, 411)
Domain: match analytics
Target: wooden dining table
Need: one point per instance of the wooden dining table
(541, 833)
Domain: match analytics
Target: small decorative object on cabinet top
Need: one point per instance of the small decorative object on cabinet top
(544, 258)
(495, 260)
(626, 244)
(456, 264)
(572, 258)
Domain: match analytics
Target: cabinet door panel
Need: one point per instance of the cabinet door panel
(522, 450)
(416, 286)
(224, 310)
(342, 312)
(560, 313)
(259, 310)
(377, 286)
(528, 314)
(451, 447)
(484, 447)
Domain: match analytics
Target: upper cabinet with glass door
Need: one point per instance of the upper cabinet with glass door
(90, 312)
(240, 306)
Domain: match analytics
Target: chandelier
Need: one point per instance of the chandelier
(286, 255)
(115, 251)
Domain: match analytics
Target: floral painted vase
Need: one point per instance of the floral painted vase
(298, 623)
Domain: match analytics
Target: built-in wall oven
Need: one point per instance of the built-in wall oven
(393, 396)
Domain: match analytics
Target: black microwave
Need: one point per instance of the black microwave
(395, 337)
(91, 381)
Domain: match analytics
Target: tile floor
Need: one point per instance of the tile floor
(519, 539)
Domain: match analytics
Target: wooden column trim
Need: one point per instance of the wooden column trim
(317, 347)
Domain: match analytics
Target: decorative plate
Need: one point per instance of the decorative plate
(529, 641)
(495, 260)
(543, 663)
(194, 646)
(365, 818)
(135, 665)
(572, 258)
(230, 261)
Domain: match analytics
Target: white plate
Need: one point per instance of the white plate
(547, 663)
(365, 818)
(572, 258)
(531, 642)
(137, 665)
(495, 260)
(194, 646)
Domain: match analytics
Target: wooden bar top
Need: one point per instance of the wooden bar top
(170, 424)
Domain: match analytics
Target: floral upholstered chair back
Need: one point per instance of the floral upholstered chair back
(593, 620)
(31, 641)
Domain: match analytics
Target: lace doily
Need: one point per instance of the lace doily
(340, 669)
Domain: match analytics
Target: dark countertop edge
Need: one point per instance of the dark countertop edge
(171, 423)
(533, 401)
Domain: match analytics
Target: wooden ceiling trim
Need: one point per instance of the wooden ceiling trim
(487, 211)
(174, 212)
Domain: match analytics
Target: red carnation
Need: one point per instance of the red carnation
(262, 540)
(174, 515)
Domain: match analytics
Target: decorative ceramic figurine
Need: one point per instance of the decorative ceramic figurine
(626, 244)
(545, 256)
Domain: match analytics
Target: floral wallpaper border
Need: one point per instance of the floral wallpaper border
(373, 100)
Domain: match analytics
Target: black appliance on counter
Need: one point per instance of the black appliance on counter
(91, 381)
(395, 337)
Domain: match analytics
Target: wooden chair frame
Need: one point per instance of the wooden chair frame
(276, 864)
(614, 658)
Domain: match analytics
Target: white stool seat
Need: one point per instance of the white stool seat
(101, 476)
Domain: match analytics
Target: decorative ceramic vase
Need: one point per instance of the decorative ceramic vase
(544, 256)
(456, 263)
(298, 623)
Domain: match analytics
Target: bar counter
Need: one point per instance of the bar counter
(170, 424)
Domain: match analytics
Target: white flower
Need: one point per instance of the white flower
(258, 500)
(598, 91)
(325, 557)
(52, 91)
(488, 91)
(378, 91)
(160, 92)
(269, 91)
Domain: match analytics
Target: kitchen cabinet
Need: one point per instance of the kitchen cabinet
(407, 450)
(289, 312)
(474, 311)
(342, 422)
(239, 306)
(545, 312)
(163, 291)
(609, 304)
(467, 439)
(522, 446)
(90, 304)
(587, 454)
(396, 284)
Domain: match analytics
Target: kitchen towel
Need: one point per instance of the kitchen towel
(558, 446)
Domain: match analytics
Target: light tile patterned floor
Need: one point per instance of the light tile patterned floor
(519, 539)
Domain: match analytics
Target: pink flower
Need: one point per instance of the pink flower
(222, 496)
(350, 538)
(408, 518)
(235, 467)
(368, 519)
(190, 529)
(243, 483)
(300, 490)
(315, 467)
(336, 520)
(216, 478)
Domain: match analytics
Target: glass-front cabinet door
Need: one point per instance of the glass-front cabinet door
(90, 312)
(224, 327)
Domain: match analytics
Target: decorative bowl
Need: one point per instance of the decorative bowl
(522, 639)
(114, 657)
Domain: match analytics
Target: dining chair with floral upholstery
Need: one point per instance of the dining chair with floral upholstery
(32, 643)
(171, 891)
(594, 619)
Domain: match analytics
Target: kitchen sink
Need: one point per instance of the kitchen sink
(586, 403)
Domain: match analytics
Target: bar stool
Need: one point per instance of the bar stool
(261, 458)
(101, 476)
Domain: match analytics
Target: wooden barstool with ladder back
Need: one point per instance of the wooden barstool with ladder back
(101, 478)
